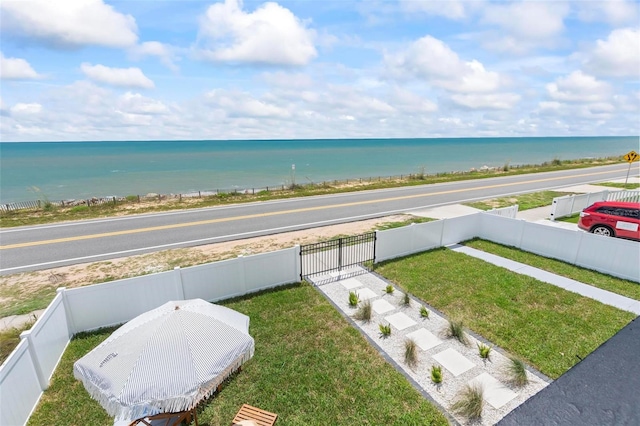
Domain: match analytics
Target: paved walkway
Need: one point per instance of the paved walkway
(585, 290)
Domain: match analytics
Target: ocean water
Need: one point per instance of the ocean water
(77, 170)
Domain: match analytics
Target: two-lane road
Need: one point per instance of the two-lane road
(45, 246)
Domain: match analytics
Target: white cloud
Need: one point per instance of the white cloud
(238, 104)
(271, 34)
(122, 77)
(615, 12)
(618, 55)
(452, 9)
(502, 101)
(135, 103)
(69, 23)
(16, 69)
(411, 103)
(579, 87)
(162, 51)
(524, 26)
(529, 19)
(431, 59)
(21, 108)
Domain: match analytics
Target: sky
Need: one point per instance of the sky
(87, 70)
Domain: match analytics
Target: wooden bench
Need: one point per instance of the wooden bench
(260, 417)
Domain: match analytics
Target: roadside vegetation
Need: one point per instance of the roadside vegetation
(544, 325)
(524, 201)
(50, 213)
(606, 282)
(621, 185)
(10, 338)
(310, 367)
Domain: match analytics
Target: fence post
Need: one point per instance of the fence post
(38, 203)
(573, 201)
(71, 325)
(114, 201)
(177, 275)
(297, 264)
(444, 224)
(26, 335)
(138, 199)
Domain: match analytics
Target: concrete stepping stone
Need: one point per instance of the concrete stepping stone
(350, 283)
(424, 339)
(495, 392)
(454, 361)
(381, 306)
(365, 294)
(400, 321)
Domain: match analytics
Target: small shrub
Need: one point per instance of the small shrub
(516, 372)
(424, 312)
(78, 209)
(484, 351)
(470, 402)
(364, 312)
(406, 300)
(385, 330)
(410, 353)
(456, 330)
(389, 289)
(506, 167)
(436, 374)
(131, 198)
(353, 299)
(556, 162)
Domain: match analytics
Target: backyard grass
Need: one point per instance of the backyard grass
(546, 326)
(524, 201)
(311, 367)
(606, 282)
(574, 218)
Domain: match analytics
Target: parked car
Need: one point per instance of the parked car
(612, 219)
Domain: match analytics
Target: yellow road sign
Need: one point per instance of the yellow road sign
(632, 156)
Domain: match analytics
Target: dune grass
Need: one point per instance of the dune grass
(545, 325)
(311, 367)
(606, 282)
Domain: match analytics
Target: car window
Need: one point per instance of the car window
(630, 213)
(606, 210)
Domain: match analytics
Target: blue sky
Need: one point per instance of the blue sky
(137, 70)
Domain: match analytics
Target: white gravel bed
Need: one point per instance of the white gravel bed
(394, 346)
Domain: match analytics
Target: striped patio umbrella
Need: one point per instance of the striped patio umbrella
(167, 359)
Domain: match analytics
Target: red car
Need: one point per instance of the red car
(612, 219)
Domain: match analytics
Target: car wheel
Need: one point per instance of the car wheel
(602, 230)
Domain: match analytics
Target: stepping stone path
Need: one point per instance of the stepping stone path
(461, 364)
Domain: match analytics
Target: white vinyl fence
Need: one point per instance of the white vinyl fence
(27, 371)
(570, 204)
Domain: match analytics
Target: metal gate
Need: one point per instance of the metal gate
(337, 255)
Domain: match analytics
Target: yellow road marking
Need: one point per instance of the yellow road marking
(259, 215)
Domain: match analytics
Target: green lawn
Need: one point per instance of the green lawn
(606, 282)
(546, 326)
(311, 367)
(620, 185)
(524, 201)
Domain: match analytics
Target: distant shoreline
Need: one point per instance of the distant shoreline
(63, 171)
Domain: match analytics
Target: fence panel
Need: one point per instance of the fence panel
(629, 196)
(501, 229)
(404, 241)
(20, 387)
(570, 204)
(214, 281)
(550, 241)
(107, 304)
(50, 336)
(461, 228)
(267, 270)
(511, 211)
(613, 256)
